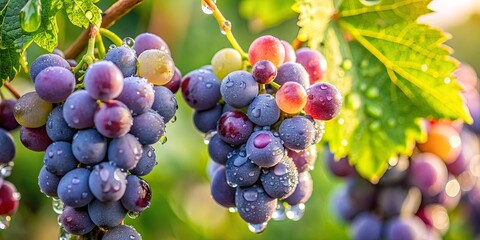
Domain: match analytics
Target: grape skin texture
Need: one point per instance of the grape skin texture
(238, 89)
(324, 101)
(234, 127)
(124, 58)
(79, 110)
(281, 180)
(206, 120)
(137, 194)
(218, 150)
(106, 214)
(291, 97)
(103, 80)
(304, 159)
(113, 119)
(297, 133)
(76, 220)
(146, 162)
(201, 89)
(148, 127)
(174, 84)
(263, 110)
(164, 103)
(57, 128)
(156, 66)
(8, 147)
(428, 173)
(254, 196)
(292, 72)
(226, 61)
(137, 94)
(290, 55)
(44, 61)
(31, 111)
(265, 149)
(8, 199)
(35, 139)
(367, 227)
(59, 158)
(73, 188)
(7, 119)
(125, 151)
(303, 191)
(314, 62)
(221, 192)
(146, 41)
(240, 170)
(89, 146)
(107, 182)
(48, 182)
(266, 48)
(120, 232)
(55, 84)
(264, 72)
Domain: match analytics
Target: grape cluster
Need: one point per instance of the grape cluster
(262, 126)
(97, 128)
(9, 196)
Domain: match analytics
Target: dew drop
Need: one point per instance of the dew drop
(279, 213)
(280, 169)
(163, 139)
(295, 212)
(128, 41)
(257, 228)
(239, 161)
(89, 15)
(57, 205)
(251, 195)
(5, 222)
(206, 9)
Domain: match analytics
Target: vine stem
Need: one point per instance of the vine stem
(111, 15)
(12, 90)
(225, 26)
(111, 36)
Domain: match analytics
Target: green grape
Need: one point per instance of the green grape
(31, 111)
(156, 66)
(226, 61)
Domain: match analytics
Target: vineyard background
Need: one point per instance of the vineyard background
(181, 206)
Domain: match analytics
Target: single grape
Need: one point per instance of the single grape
(234, 127)
(73, 188)
(124, 58)
(31, 111)
(291, 97)
(106, 214)
(444, 141)
(113, 119)
(8, 147)
(201, 89)
(290, 55)
(7, 119)
(222, 193)
(137, 194)
(58, 52)
(174, 84)
(218, 150)
(241, 171)
(156, 66)
(146, 41)
(79, 110)
(263, 110)
(264, 72)
(266, 48)
(59, 158)
(238, 89)
(206, 120)
(305, 159)
(396, 201)
(254, 197)
(405, 228)
(107, 182)
(314, 62)
(367, 226)
(57, 128)
(344, 206)
(48, 182)
(137, 94)
(76, 220)
(292, 72)
(339, 167)
(297, 132)
(35, 139)
(9, 198)
(303, 190)
(44, 61)
(361, 192)
(428, 173)
(226, 61)
(323, 101)
(280, 180)
(164, 103)
(120, 232)
(125, 151)
(55, 84)
(146, 163)
(89, 146)
(265, 149)
(148, 127)
(103, 80)
(435, 216)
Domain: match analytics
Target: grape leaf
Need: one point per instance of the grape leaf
(400, 73)
(9, 64)
(82, 13)
(266, 13)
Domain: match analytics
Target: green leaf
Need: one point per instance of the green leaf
(82, 13)
(401, 73)
(9, 64)
(266, 13)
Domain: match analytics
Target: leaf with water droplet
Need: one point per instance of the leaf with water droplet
(82, 13)
(30, 15)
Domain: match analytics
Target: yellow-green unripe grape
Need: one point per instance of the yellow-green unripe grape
(31, 111)
(226, 61)
(156, 66)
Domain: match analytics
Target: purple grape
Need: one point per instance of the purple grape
(55, 84)
(79, 110)
(367, 226)
(146, 163)
(206, 120)
(120, 232)
(124, 58)
(113, 119)
(107, 182)
(238, 89)
(428, 173)
(297, 133)
(57, 128)
(59, 158)
(234, 127)
(240, 170)
(314, 62)
(174, 84)
(264, 72)
(263, 110)
(89, 146)
(305, 159)
(280, 180)
(290, 55)
(292, 72)
(106, 214)
(165, 103)
(35, 139)
(221, 192)
(8, 147)
(76, 220)
(323, 101)
(303, 191)
(73, 188)
(137, 194)
(103, 80)
(48, 182)
(201, 89)
(218, 150)
(125, 151)
(7, 120)
(405, 228)
(137, 94)
(395, 201)
(148, 127)
(340, 167)
(254, 197)
(44, 61)
(146, 41)
(265, 149)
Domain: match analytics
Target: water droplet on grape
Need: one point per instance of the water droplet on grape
(163, 139)
(57, 205)
(239, 161)
(133, 215)
(279, 213)
(128, 41)
(257, 228)
(295, 212)
(280, 169)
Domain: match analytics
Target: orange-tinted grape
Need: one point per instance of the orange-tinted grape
(291, 97)
(443, 141)
(266, 48)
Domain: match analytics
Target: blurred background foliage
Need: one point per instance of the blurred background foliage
(181, 207)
